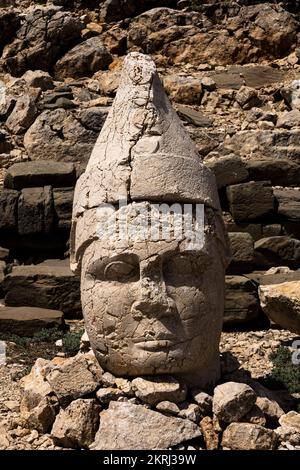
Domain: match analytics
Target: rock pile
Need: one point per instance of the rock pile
(74, 404)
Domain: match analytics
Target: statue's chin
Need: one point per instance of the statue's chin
(196, 371)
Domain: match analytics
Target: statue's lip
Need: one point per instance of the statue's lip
(155, 344)
(155, 339)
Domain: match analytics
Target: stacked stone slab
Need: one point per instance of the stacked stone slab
(35, 209)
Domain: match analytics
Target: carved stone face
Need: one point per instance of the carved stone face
(154, 307)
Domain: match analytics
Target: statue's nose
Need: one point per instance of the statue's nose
(153, 297)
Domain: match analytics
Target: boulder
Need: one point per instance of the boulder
(58, 135)
(8, 209)
(203, 400)
(232, 400)
(44, 35)
(83, 60)
(251, 200)
(74, 378)
(247, 98)
(47, 286)
(255, 416)
(41, 173)
(241, 300)
(242, 251)
(35, 211)
(63, 204)
(281, 303)
(289, 430)
(289, 119)
(38, 79)
(191, 116)
(271, 410)
(23, 115)
(280, 171)
(4, 254)
(229, 169)
(247, 436)
(153, 390)
(183, 89)
(190, 411)
(168, 407)
(76, 425)
(277, 251)
(108, 394)
(291, 94)
(125, 426)
(288, 200)
(38, 404)
(25, 321)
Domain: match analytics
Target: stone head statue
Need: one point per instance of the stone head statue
(148, 240)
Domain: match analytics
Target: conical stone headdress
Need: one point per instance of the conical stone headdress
(143, 153)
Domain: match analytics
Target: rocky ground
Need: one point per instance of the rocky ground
(246, 360)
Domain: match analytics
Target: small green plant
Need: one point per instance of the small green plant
(71, 342)
(47, 335)
(284, 372)
(20, 341)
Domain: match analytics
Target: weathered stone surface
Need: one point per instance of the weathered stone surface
(246, 436)
(229, 169)
(255, 416)
(76, 425)
(288, 200)
(168, 407)
(25, 321)
(291, 94)
(242, 249)
(38, 79)
(271, 410)
(23, 115)
(281, 303)
(63, 203)
(184, 40)
(241, 300)
(8, 209)
(196, 118)
(83, 60)
(38, 404)
(183, 89)
(44, 286)
(43, 36)
(247, 97)
(277, 251)
(289, 430)
(250, 200)
(232, 400)
(203, 400)
(93, 118)
(210, 436)
(141, 343)
(190, 411)
(106, 395)
(279, 171)
(74, 378)
(59, 136)
(41, 173)
(35, 211)
(289, 119)
(125, 426)
(152, 390)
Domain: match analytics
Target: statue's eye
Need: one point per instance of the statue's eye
(121, 271)
(184, 269)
